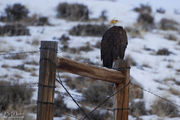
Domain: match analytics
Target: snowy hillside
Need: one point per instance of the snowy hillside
(153, 51)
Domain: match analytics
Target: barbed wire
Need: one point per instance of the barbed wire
(106, 99)
(150, 92)
(75, 96)
(16, 53)
(59, 81)
(81, 97)
(72, 116)
(78, 98)
(21, 85)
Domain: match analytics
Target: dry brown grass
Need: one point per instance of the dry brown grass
(75, 12)
(88, 30)
(143, 8)
(34, 74)
(135, 92)
(14, 96)
(86, 48)
(171, 37)
(35, 42)
(138, 108)
(168, 24)
(164, 109)
(174, 91)
(78, 83)
(169, 65)
(134, 32)
(146, 65)
(24, 68)
(97, 45)
(5, 66)
(32, 62)
(16, 56)
(163, 51)
(18, 76)
(14, 30)
(96, 92)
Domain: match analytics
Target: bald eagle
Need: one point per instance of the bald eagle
(113, 45)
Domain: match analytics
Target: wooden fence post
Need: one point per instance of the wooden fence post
(47, 76)
(121, 105)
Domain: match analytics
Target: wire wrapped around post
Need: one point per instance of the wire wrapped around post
(47, 76)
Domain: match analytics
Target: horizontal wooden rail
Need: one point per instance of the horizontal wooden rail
(98, 73)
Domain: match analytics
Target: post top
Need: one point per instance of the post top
(53, 45)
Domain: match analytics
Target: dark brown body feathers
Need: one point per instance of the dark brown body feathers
(113, 45)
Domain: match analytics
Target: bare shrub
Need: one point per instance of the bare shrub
(177, 70)
(59, 106)
(97, 45)
(36, 20)
(135, 92)
(78, 83)
(137, 108)
(148, 49)
(163, 51)
(103, 15)
(70, 82)
(88, 30)
(18, 76)
(96, 115)
(96, 93)
(34, 74)
(14, 30)
(64, 39)
(146, 65)
(101, 115)
(146, 20)
(177, 82)
(163, 108)
(42, 21)
(16, 56)
(16, 12)
(161, 10)
(133, 32)
(5, 66)
(2, 77)
(65, 48)
(171, 37)
(73, 50)
(174, 91)
(28, 117)
(169, 79)
(35, 42)
(169, 66)
(32, 62)
(86, 48)
(14, 95)
(143, 9)
(86, 60)
(168, 24)
(72, 11)
(24, 68)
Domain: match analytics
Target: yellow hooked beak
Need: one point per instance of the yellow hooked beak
(114, 21)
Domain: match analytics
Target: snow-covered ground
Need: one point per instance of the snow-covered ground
(157, 78)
